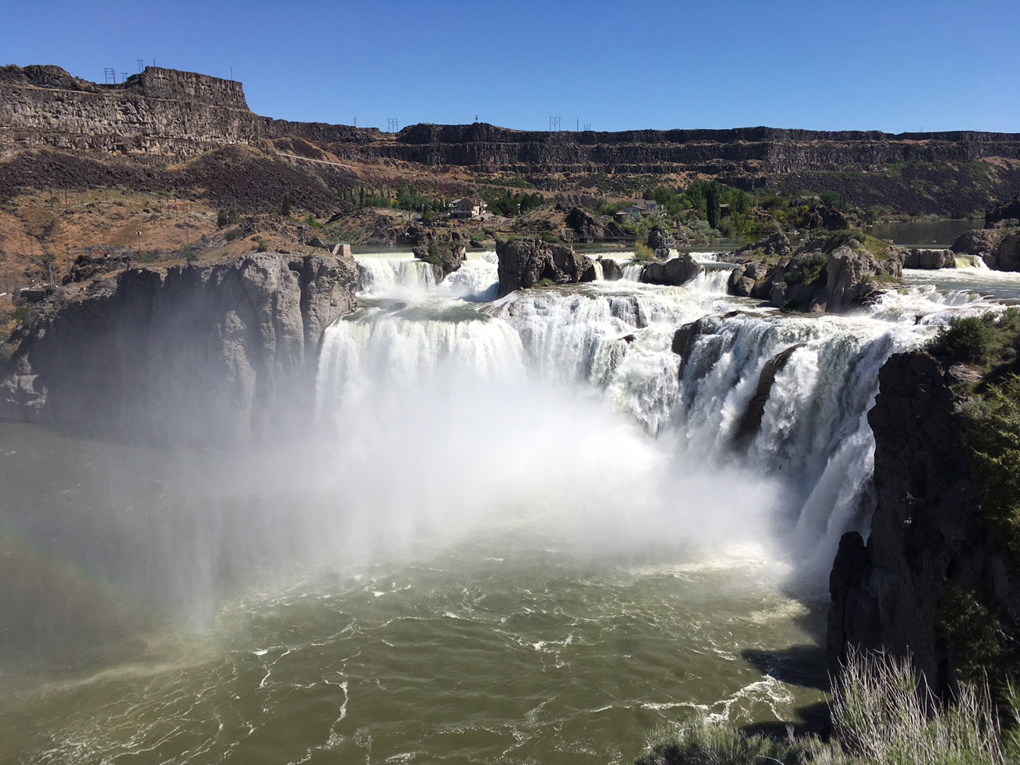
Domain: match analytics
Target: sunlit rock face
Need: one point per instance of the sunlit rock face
(197, 354)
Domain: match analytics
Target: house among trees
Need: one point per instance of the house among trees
(468, 208)
(642, 208)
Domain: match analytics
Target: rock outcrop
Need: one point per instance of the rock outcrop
(523, 263)
(197, 354)
(833, 274)
(999, 248)
(586, 227)
(444, 248)
(926, 531)
(611, 270)
(675, 271)
(929, 259)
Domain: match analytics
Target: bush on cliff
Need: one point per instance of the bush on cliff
(995, 440)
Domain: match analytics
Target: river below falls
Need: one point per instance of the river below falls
(521, 533)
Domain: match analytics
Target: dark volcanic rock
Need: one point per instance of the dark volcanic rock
(1007, 211)
(444, 248)
(834, 273)
(750, 422)
(586, 227)
(659, 239)
(676, 271)
(200, 354)
(774, 247)
(999, 248)
(930, 259)
(926, 530)
(611, 270)
(523, 263)
(824, 217)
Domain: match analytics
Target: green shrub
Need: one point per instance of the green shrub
(964, 338)
(643, 253)
(994, 437)
(19, 313)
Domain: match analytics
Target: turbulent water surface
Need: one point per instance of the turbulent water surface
(523, 530)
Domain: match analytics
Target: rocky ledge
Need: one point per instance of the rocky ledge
(524, 263)
(195, 354)
(833, 273)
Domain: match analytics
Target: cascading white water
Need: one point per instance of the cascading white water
(813, 445)
(516, 491)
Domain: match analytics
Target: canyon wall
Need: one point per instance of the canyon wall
(928, 539)
(167, 112)
(196, 354)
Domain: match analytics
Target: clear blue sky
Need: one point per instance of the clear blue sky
(893, 65)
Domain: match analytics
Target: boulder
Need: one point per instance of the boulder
(660, 239)
(523, 263)
(929, 259)
(676, 271)
(611, 271)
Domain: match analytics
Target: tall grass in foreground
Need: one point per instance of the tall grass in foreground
(882, 713)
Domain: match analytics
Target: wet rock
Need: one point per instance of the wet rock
(611, 270)
(926, 530)
(750, 422)
(999, 248)
(677, 271)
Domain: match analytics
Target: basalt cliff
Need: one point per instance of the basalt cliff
(196, 354)
(930, 567)
(165, 112)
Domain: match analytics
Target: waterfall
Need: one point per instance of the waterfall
(806, 446)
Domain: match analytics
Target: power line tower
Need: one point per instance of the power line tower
(111, 75)
(391, 123)
(587, 126)
(554, 124)
(123, 76)
(141, 65)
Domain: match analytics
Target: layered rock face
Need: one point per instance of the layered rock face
(160, 111)
(523, 263)
(163, 111)
(754, 150)
(199, 354)
(926, 531)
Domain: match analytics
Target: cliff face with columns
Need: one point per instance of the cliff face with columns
(164, 111)
(160, 111)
